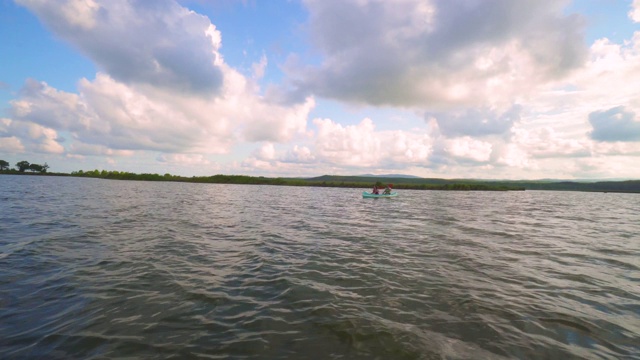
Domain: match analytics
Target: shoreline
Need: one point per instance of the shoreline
(260, 180)
(356, 182)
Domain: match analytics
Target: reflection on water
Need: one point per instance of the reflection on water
(98, 268)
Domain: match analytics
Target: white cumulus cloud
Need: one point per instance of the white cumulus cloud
(469, 149)
(634, 13)
(158, 42)
(438, 53)
(266, 152)
(353, 145)
(300, 155)
(361, 145)
(20, 136)
(163, 85)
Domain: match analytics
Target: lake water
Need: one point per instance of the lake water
(94, 268)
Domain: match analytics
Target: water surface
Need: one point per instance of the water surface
(94, 268)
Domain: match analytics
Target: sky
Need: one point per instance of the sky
(490, 89)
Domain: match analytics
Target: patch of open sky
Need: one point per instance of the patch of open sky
(256, 28)
(29, 51)
(605, 18)
(5, 96)
(383, 118)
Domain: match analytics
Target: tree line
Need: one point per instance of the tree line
(629, 186)
(261, 180)
(22, 166)
(326, 181)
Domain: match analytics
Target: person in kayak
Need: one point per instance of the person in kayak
(375, 190)
(387, 190)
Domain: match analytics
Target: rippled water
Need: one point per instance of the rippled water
(106, 269)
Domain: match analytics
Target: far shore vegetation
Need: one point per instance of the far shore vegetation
(630, 186)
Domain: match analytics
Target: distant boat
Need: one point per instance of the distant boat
(370, 195)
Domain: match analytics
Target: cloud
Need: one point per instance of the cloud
(402, 147)
(81, 149)
(544, 132)
(610, 75)
(184, 159)
(545, 142)
(120, 117)
(163, 86)
(157, 43)
(340, 148)
(513, 156)
(476, 121)
(11, 144)
(19, 136)
(634, 13)
(467, 148)
(110, 114)
(599, 167)
(348, 145)
(266, 152)
(615, 124)
(44, 105)
(165, 94)
(278, 123)
(8, 142)
(438, 53)
(299, 155)
(361, 146)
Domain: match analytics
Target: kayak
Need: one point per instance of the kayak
(370, 195)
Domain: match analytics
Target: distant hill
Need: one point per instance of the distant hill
(369, 179)
(399, 176)
(628, 186)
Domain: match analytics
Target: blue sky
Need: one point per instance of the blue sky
(453, 89)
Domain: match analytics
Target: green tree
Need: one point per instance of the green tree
(35, 167)
(22, 165)
(4, 165)
(39, 168)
